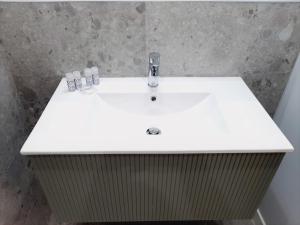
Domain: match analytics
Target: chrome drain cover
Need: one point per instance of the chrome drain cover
(153, 131)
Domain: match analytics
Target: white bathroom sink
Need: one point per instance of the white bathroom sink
(193, 115)
(155, 104)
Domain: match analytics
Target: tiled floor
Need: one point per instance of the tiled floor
(31, 208)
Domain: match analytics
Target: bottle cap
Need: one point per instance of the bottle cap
(77, 74)
(95, 70)
(69, 76)
(87, 72)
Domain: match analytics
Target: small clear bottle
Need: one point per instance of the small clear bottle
(70, 81)
(95, 74)
(88, 77)
(77, 78)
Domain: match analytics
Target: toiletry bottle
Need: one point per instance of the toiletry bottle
(77, 78)
(95, 74)
(88, 77)
(70, 81)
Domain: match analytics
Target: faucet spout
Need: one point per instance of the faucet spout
(154, 59)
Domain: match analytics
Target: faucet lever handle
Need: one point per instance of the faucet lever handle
(154, 58)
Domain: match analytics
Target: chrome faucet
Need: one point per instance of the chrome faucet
(153, 69)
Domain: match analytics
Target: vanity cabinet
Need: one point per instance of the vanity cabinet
(111, 188)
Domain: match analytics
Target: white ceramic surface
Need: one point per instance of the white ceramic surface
(195, 115)
(153, 104)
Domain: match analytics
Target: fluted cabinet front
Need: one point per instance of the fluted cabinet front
(109, 188)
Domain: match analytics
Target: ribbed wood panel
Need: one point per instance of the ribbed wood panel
(89, 188)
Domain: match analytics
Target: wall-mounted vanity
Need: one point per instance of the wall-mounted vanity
(214, 157)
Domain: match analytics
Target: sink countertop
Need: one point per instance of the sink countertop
(223, 116)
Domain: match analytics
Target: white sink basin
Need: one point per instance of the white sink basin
(154, 104)
(193, 115)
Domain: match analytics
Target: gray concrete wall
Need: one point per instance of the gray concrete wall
(15, 177)
(39, 42)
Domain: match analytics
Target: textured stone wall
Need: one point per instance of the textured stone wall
(39, 42)
(15, 177)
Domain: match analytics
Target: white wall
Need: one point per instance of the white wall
(281, 205)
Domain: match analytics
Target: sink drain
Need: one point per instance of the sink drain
(153, 98)
(153, 131)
